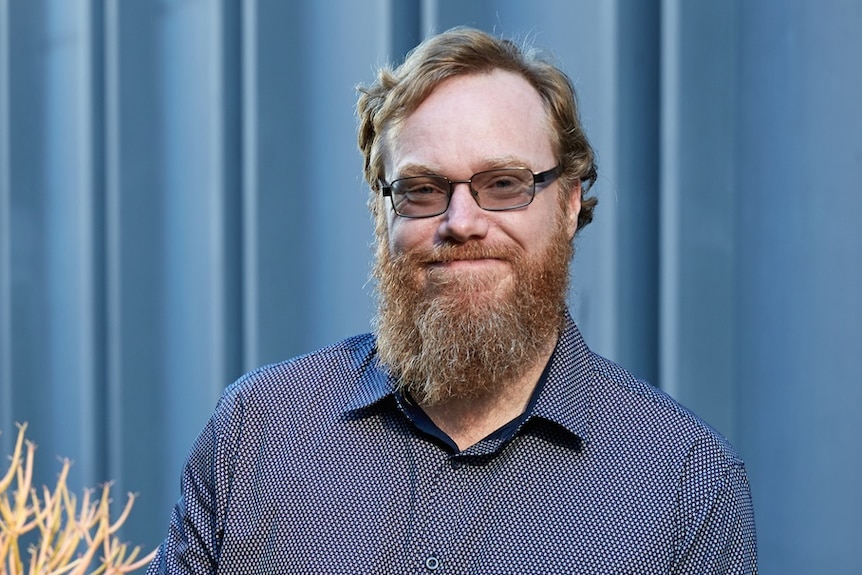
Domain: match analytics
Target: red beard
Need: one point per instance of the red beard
(450, 334)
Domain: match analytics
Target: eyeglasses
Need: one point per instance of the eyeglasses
(494, 190)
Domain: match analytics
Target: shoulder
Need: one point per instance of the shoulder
(637, 422)
(338, 361)
(638, 407)
(325, 377)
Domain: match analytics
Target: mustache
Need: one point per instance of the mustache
(457, 252)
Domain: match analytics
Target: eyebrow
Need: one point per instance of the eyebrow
(411, 169)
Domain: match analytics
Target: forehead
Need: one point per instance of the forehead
(468, 123)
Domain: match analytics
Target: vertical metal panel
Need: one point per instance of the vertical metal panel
(273, 172)
(303, 184)
(671, 144)
(113, 349)
(136, 223)
(193, 198)
(248, 111)
(26, 373)
(227, 239)
(54, 374)
(800, 279)
(440, 15)
(637, 147)
(6, 410)
(697, 199)
(404, 28)
(337, 221)
(181, 200)
(174, 224)
(73, 257)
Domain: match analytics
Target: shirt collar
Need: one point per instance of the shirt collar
(374, 382)
(565, 399)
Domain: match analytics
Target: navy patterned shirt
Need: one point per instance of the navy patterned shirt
(317, 465)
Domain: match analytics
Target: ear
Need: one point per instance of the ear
(573, 203)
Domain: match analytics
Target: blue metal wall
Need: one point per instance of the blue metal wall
(181, 200)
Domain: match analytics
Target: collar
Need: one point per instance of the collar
(566, 398)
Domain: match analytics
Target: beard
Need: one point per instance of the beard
(450, 335)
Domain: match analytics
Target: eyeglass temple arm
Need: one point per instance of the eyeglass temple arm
(548, 176)
(589, 179)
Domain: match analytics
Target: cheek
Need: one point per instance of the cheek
(390, 232)
(551, 229)
(405, 234)
(543, 225)
(394, 234)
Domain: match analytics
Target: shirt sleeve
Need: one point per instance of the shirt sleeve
(196, 527)
(717, 534)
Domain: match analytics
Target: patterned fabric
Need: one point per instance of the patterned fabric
(314, 465)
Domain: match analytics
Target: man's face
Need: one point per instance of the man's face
(469, 124)
(470, 298)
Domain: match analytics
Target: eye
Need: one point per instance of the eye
(421, 189)
(503, 185)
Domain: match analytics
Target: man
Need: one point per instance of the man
(474, 431)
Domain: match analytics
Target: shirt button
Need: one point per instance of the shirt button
(432, 563)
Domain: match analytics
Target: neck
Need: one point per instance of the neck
(469, 420)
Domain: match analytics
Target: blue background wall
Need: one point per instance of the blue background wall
(181, 201)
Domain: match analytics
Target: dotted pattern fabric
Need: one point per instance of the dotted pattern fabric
(312, 466)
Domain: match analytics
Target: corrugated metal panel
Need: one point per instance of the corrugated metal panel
(181, 200)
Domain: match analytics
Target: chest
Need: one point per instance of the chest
(337, 504)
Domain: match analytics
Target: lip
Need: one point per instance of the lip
(464, 263)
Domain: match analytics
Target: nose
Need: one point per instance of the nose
(464, 220)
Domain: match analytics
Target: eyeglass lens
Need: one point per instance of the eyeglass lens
(502, 189)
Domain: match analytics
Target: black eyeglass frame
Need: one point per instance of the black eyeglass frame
(542, 178)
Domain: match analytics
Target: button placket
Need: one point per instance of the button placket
(435, 505)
